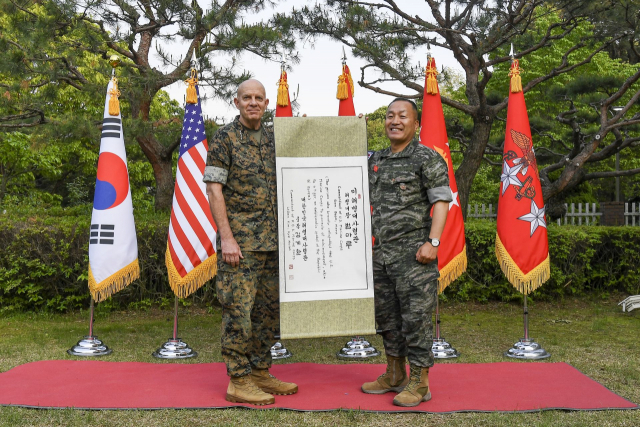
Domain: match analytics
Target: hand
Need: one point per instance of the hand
(231, 253)
(426, 253)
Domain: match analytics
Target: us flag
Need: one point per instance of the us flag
(191, 255)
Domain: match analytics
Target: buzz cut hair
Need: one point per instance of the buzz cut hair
(413, 105)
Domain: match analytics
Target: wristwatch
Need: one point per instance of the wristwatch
(434, 242)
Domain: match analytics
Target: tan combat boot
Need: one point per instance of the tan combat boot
(270, 384)
(243, 390)
(417, 390)
(393, 380)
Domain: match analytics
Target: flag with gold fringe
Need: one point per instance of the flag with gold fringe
(522, 245)
(283, 101)
(191, 256)
(113, 247)
(345, 93)
(452, 255)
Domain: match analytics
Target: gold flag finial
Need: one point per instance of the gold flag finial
(283, 89)
(114, 103)
(192, 94)
(432, 72)
(516, 80)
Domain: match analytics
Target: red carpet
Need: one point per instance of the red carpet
(505, 386)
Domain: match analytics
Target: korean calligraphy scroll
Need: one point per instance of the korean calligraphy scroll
(324, 227)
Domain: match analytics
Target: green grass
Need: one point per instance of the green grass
(594, 336)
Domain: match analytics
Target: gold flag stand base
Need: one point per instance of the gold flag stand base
(357, 348)
(279, 351)
(90, 345)
(174, 348)
(527, 348)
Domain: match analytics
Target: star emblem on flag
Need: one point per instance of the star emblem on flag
(510, 176)
(454, 201)
(535, 217)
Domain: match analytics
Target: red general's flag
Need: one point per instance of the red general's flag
(283, 101)
(452, 255)
(345, 93)
(191, 248)
(522, 246)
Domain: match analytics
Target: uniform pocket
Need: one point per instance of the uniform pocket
(407, 186)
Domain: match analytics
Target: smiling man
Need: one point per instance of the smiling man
(241, 185)
(405, 181)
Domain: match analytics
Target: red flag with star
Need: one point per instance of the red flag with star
(452, 255)
(345, 93)
(522, 245)
(283, 101)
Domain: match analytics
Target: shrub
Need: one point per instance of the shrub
(44, 259)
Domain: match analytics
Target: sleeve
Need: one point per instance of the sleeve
(218, 159)
(435, 178)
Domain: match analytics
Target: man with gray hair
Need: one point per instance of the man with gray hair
(241, 184)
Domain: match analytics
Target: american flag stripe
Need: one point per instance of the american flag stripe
(202, 158)
(197, 252)
(181, 243)
(197, 188)
(193, 221)
(174, 256)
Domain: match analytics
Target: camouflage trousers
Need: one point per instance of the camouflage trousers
(249, 295)
(405, 296)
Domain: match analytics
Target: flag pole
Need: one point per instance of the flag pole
(90, 345)
(440, 348)
(526, 348)
(283, 109)
(174, 348)
(358, 347)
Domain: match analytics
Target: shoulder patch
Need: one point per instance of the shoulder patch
(369, 154)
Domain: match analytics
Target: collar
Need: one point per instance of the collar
(407, 152)
(238, 124)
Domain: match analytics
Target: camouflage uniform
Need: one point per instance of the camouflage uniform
(249, 293)
(403, 187)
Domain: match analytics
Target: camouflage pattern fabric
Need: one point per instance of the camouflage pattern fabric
(246, 167)
(244, 161)
(405, 294)
(403, 187)
(250, 311)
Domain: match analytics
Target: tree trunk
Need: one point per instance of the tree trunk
(159, 157)
(472, 159)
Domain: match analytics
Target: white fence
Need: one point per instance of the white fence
(577, 213)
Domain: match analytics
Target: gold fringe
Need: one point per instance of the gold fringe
(525, 283)
(342, 88)
(283, 91)
(114, 104)
(516, 80)
(453, 270)
(194, 280)
(192, 95)
(432, 82)
(114, 283)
